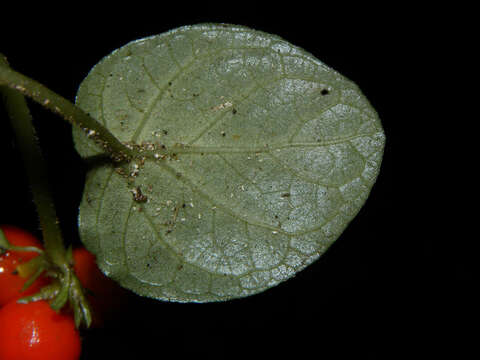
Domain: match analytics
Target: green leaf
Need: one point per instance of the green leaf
(256, 157)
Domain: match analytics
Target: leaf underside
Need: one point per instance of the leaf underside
(265, 155)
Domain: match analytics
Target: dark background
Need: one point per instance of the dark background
(373, 295)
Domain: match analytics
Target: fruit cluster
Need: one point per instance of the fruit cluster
(33, 330)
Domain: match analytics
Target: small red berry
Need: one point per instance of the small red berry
(105, 296)
(11, 282)
(34, 331)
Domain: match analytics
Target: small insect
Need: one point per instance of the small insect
(137, 195)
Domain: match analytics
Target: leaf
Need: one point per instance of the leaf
(257, 156)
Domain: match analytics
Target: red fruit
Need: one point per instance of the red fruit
(11, 282)
(105, 296)
(34, 331)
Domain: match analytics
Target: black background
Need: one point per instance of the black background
(373, 295)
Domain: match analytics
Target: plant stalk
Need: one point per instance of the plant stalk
(73, 114)
(35, 167)
(36, 170)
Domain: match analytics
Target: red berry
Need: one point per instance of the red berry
(11, 282)
(105, 296)
(34, 331)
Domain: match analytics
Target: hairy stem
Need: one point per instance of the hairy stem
(58, 104)
(35, 167)
(36, 170)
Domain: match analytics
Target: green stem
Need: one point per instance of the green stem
(48, 292)
(22, 125)
(6, 246)
(67, 110)
(27, 269)
(35, 167)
